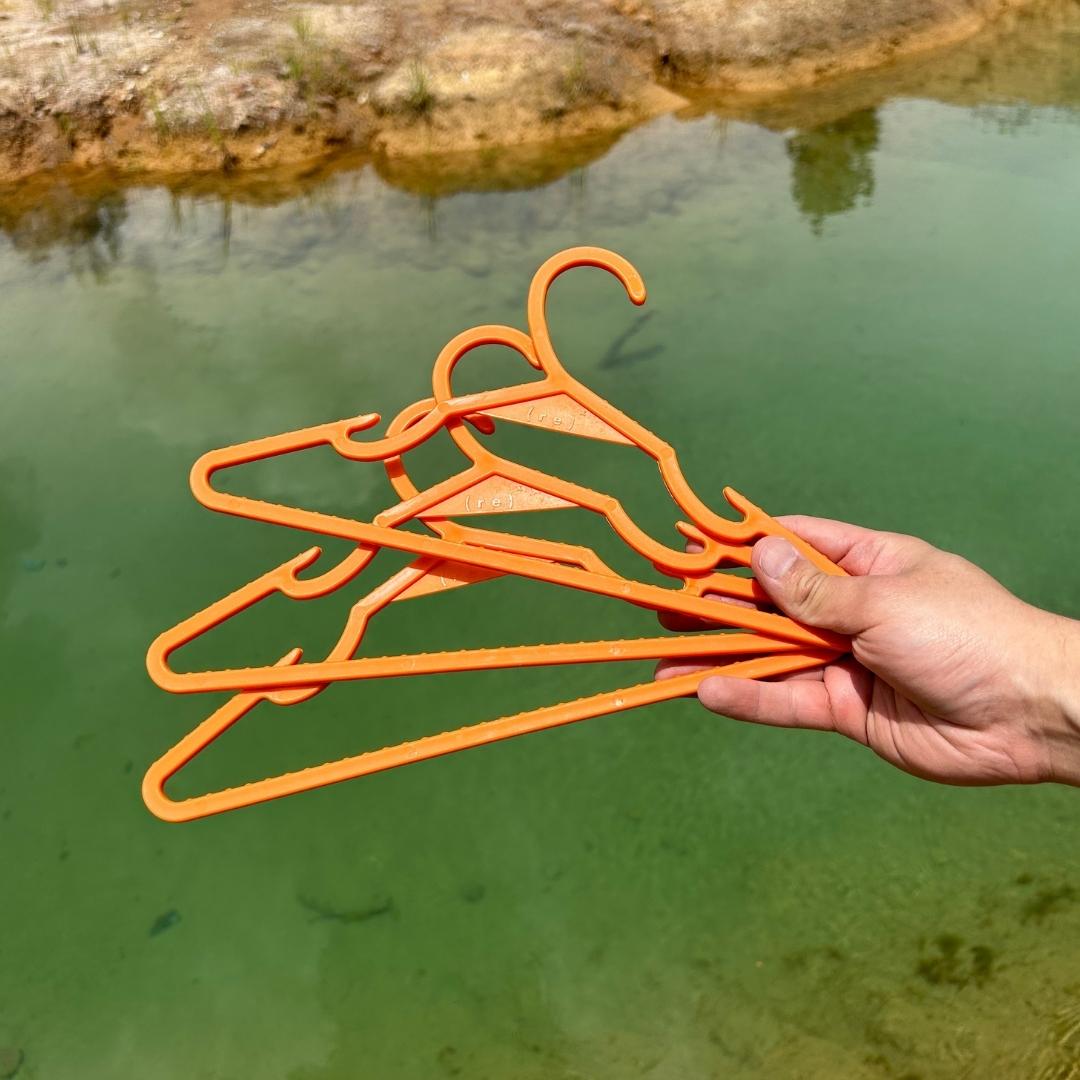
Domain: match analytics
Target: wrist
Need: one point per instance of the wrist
(1059, 698)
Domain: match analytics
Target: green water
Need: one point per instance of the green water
(872, 317)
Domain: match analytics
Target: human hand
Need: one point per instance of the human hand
(950, 678)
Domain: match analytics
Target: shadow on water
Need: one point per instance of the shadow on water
(616, 355)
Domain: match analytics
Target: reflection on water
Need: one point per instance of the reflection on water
(87, 228)
(662, 894)
(1024, 66)
(1026, 61)
(831, 166)
(832, 170)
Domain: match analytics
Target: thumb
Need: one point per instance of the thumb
(801, 590)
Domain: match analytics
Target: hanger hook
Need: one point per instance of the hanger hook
(614, 264)
(466, 341)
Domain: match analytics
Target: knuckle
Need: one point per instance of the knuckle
(808, 587)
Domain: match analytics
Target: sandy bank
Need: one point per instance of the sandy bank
(170, 86)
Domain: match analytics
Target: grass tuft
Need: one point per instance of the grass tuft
(209, 121)
(587, 80)
(316, 69)
(419, 99)
(77, 29)
(162, 125)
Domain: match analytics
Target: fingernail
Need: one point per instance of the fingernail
(775, 556)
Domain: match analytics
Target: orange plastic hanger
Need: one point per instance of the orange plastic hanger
(425, 575)
(431, 746)
(457, 555)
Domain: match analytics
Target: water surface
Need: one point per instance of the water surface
(869, 313)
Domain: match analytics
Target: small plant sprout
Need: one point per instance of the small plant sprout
(303, 30)
(419, 100)
(209, 120)
(162, 127)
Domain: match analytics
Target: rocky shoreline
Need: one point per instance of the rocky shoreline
(140, 87)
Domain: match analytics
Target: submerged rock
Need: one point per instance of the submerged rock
(320, 910)
(166, 921)
(473, 892)
(11, 1060)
